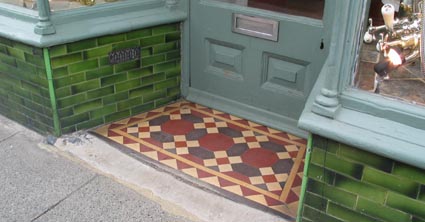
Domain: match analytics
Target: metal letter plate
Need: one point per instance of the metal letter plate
(124, 55)
(256, 27)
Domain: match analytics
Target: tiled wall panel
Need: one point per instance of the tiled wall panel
(349, 184)
(90, 91)
(24, 95)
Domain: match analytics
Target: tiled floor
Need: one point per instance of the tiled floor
(236, 156)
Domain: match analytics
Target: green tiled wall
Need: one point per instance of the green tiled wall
(91, 92)
(348, 184)
(24, 94)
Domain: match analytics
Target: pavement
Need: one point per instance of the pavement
(79, 177)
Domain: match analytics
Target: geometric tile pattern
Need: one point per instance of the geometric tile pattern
(258, 163)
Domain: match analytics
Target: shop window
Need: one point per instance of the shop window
(389, 62)
(307, 8)
(57, 5)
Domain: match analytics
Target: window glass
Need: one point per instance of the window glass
(23, 3)
(389, 61)
(307, 8)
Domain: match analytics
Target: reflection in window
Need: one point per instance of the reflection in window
(307, 8)
(57, 5)
(389, 61)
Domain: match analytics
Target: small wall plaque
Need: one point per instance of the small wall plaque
(124, 55)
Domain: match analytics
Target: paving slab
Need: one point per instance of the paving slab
(31, 179)
(105, 200)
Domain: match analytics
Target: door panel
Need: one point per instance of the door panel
(274, 76)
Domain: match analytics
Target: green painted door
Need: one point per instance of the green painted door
(269, 77)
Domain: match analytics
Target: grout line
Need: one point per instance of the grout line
(66, 197)
(10, 136)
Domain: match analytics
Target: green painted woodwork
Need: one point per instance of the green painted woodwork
(24, 91)
(383, 190)
(258, 77)
(91, 92)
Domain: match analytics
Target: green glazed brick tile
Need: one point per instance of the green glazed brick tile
(90, 124)
(149, 80)
(104, 61)
(60, 72)
(97, 52)
(368, 191)
(126, 86)
(40, 100)
(3, 49)
(33, 106)
(164, 66)
(16, 53)
(321, 174)
(409, 172)
(165, 28)
(173, 55)
(139, 33)
(173, 91)
(331, 161)
(24, 47)
(417, 219)
(101, 72)
(73, 120)
(23, 66)
(34, 60)
(126, 45)
(82, 45)
(127, 66)
(22, 92)
(422, 193)
(348, 214)
(146, 52)
(115, 98)
(66, 59)
(316, 201)
(406, 204)
(125, 105)
(83, 66)
(71, 100)
(85, 86)
(67, 130)
(174, 36)
(58, 50)
(105, 110)
(169, 83)
(63, 92)
(111, 39)
(305, 220)
(8, 60)
(141, 91)
(65, 112)
(382, 212)
(366, 158)
(332, 193)
(97, 93)
(142, 108)
(117, 116)
(318, 216)
(153, 40)
(69, 80)
(30, 87)
(137, 73)
(153, 60)
(325, 144)
(164, 48)
(391, 182)
(149, 97)
(114, 79)
(6, 42)
(166, 100)
(88, 106)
